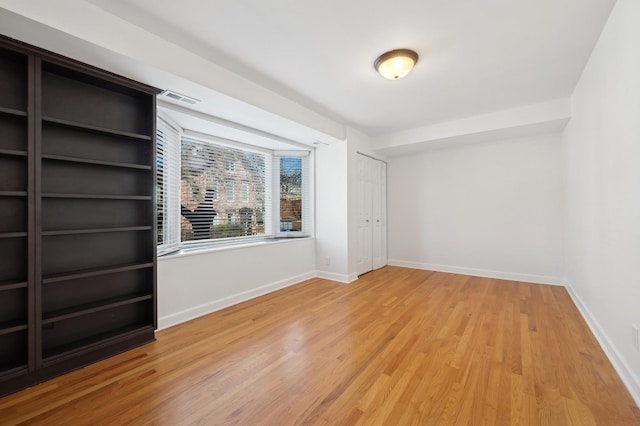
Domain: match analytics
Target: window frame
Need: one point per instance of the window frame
(307, 196)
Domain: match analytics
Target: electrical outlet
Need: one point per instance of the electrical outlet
(635, 336)
(326, 261)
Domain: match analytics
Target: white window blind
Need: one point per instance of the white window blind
(210, 174)
(167, 186)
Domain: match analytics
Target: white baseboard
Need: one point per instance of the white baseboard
(487, 273)
(630, 380)
(215, 305)
(341, 278)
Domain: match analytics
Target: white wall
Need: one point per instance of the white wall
(332, 213)
(491, 210)
(602, 172)
(196, 284)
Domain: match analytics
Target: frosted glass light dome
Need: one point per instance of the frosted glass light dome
(396, 64)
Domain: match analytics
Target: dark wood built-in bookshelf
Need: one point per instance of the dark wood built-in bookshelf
(77, 220)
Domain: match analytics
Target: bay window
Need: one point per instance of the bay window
(212, 190)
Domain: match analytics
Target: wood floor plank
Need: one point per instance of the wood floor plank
(398, 346)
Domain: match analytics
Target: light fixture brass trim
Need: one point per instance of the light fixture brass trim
(395, 64)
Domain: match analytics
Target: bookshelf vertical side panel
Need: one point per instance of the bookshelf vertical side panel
(35, 204)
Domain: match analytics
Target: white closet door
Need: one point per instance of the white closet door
(364, 260)
(371, 211)
(378, 231)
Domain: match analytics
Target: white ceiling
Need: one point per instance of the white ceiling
(476, 56)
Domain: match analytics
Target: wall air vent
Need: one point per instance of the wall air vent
(175, 96)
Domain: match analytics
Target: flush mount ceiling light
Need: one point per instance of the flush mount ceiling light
(396, 63)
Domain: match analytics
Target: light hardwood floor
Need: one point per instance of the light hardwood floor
(398, 346)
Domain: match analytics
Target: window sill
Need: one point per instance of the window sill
(191, 251)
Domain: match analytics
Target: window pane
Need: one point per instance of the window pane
(209, 206)
(230, 163)
(290, 194)
(230, 190)
(245, 191)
